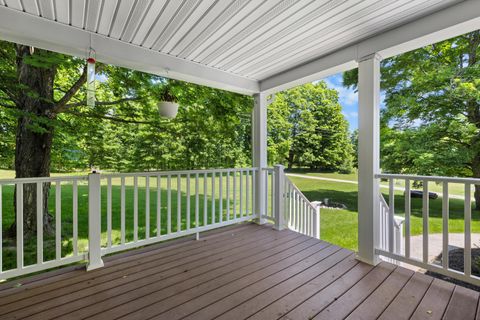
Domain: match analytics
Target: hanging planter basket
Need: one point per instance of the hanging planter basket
(168, 106)
(168, 109)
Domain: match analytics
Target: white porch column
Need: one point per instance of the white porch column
(278, 190)
(368, 157)
(94, 222)
(259, 144)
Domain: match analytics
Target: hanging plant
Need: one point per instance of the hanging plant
(167, 106)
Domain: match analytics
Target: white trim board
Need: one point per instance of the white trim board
(30, 29)
(441, 25)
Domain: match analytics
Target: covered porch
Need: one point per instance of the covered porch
(257, 251)
(243, 271)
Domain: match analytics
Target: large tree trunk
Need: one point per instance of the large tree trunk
(291, 156)
(34, 135)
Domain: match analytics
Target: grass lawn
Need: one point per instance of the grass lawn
(340, 226)
(453, 188)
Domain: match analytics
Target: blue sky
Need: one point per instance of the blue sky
(348, 98)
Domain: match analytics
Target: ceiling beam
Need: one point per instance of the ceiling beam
(449, 22)
(21, 27)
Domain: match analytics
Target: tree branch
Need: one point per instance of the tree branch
(61, 105)
(5, 105)
(110, 118)
(101, 103)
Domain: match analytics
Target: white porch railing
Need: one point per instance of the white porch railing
(391, 230)
(160, 206)
(287, 206)
(388, 248)
(270, 194)
(194, 201)
(130, 210)
(38, 186)
(301, 215)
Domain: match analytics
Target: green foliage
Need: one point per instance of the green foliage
(124, 131)
(354, 141)
(7, 140)
(431, 122)
(307, 129)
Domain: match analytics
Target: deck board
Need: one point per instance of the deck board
(239, 272)
(435, 301)
(323, 260)
(298, 295)
(374, 305)
(169, 286)
(275, 300)
(403, 306)
(463, 304)
(117, 278)
(346, 303)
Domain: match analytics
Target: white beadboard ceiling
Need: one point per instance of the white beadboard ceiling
(251, 39)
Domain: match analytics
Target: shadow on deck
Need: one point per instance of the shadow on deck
(238, 272)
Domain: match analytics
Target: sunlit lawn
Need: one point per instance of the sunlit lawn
(340, 226)
(453, 188)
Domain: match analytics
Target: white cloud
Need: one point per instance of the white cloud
(346, 96)
(350, 114)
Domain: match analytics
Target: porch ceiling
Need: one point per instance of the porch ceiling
(234, 44)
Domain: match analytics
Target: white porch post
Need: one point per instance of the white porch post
(94, 223)
(368, 157)
(259, 144)
(279, 189)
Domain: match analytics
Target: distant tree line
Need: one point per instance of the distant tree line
(307, 129)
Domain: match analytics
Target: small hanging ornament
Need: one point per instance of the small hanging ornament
(91, 79)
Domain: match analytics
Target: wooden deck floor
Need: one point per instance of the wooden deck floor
(239, 272)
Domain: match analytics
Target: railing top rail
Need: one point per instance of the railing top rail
(42, 179)
(427, 178)
(119, 175)
(176, 172)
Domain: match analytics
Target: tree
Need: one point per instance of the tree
(307, 128)
(432, 116)
(37, 86)
(45, 121)
(354, 141)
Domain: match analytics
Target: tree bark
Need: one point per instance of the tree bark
(476, 174)
(34, 136)
(290, 159)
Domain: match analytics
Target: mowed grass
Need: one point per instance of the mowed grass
(456, 189)
(340, 226)
(232, 206)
